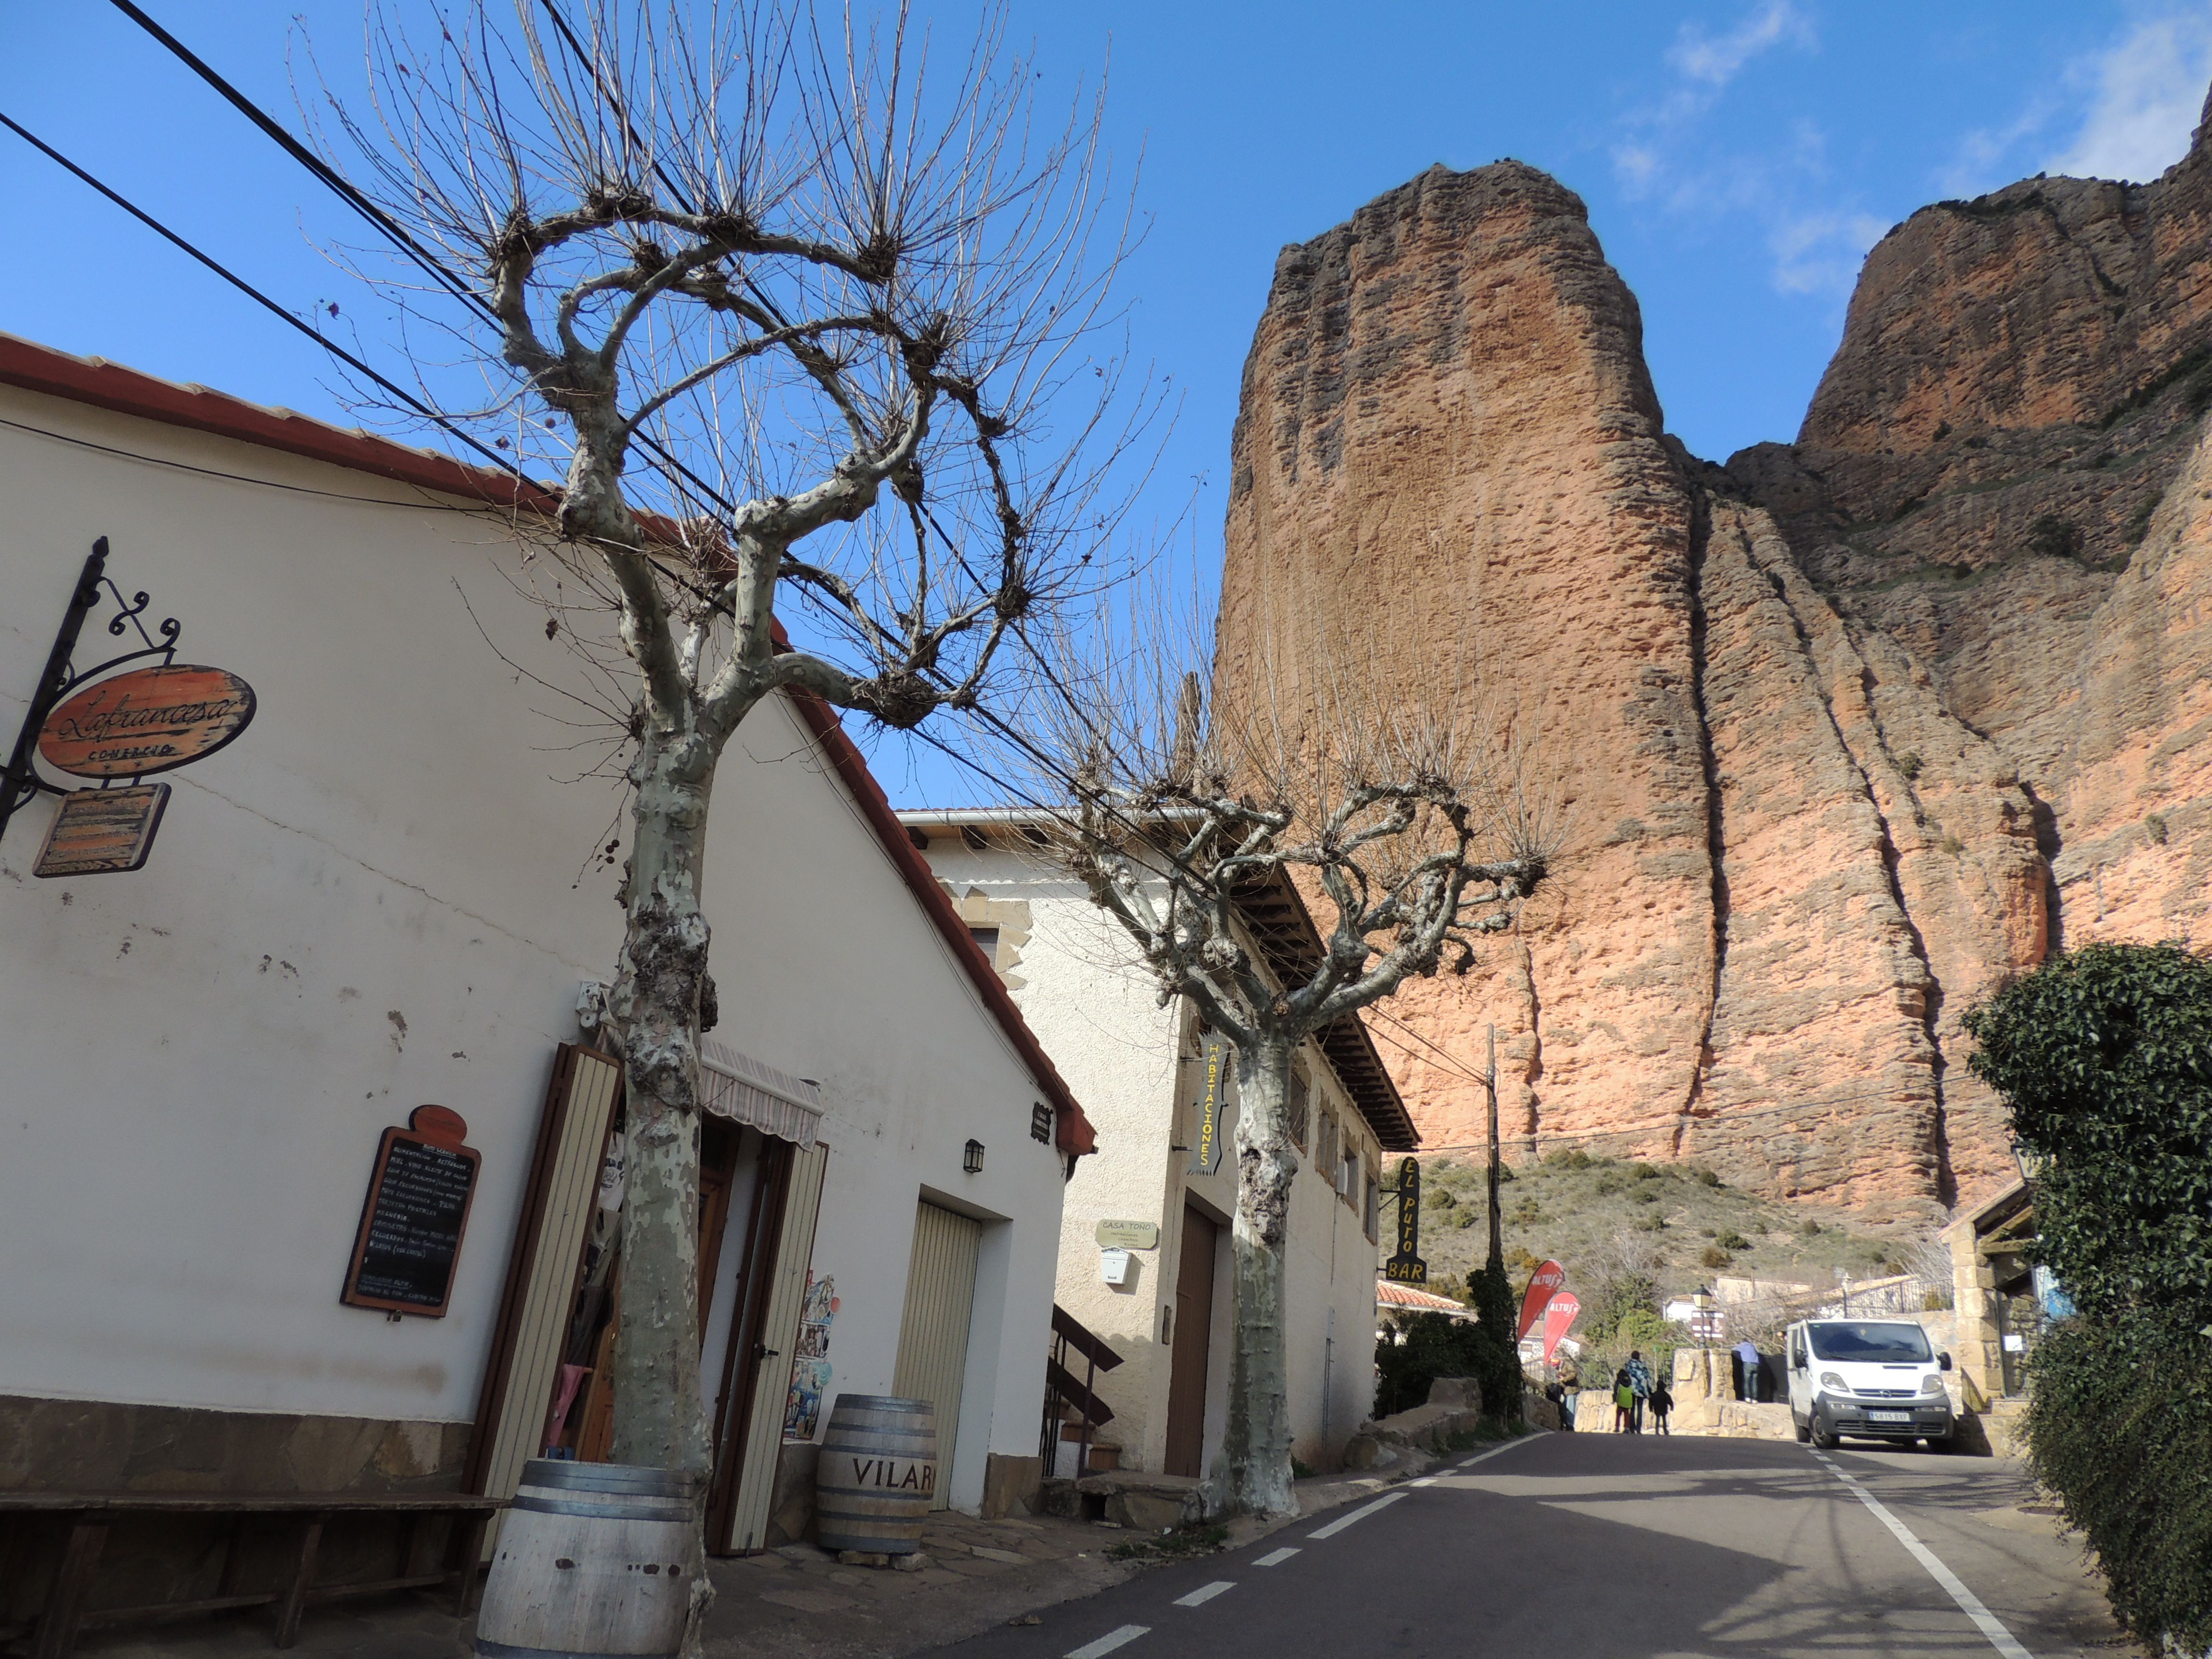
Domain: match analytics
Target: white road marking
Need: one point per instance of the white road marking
(1480, 1457)
(1106, 1643)
(1359, 1514)
(1275, 1557)
(1425, 1481)
(1970, 1604)
(1205, 1592)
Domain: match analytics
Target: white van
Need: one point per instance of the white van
(1875, 1379)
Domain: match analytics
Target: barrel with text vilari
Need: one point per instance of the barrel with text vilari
(878, 1474)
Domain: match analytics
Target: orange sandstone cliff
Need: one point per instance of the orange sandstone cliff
(1845, 732)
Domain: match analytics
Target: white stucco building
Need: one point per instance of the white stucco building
(385, 893)
(1137, 1067)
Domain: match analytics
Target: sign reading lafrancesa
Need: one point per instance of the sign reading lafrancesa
(152, 719)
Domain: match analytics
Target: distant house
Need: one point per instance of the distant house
(1145, 1245)
(382, 897)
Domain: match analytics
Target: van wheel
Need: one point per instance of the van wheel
(1938, 1445)
(1803, 1433)
(1821, 1438)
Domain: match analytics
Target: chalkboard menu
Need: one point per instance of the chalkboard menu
(416, 1210)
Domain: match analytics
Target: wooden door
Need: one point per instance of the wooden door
(1194, 1334)
(933, 1350)
(756, 1368)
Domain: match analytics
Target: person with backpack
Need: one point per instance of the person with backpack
(1624, 1405)
(1639, 1387)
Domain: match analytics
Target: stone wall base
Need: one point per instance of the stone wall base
(99, 1445)
(1010, 1485)
(791, 1504)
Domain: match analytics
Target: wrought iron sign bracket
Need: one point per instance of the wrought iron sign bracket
(20, 783)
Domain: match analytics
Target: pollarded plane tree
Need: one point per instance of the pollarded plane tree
(802, 327)
(1413, 831)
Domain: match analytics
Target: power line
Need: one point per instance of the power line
(261, 299)
(245, 477)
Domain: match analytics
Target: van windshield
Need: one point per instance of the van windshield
(1869, 1344)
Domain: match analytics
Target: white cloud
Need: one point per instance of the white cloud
(2148, 91)
(1666, 157)
(1822, 252)
(1717, 62)
(1985, 157)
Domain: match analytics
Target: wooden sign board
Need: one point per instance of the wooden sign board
(1129, 1235)
(102, 832)
(411, 1225)
(1405, 1270)
(152, 719)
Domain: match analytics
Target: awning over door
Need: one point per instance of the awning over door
(749, 1091)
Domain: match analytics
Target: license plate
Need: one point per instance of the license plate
(1889, 1417)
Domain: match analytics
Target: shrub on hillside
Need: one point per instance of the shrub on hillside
(2104, 1056)
(1436, 1345)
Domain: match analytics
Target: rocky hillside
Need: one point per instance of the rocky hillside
(1843, 732)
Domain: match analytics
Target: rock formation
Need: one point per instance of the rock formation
(1843, 734)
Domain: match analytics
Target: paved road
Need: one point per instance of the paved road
(1598, 1545)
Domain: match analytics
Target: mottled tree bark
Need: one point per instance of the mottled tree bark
(659, 1420)
(1251, 1472)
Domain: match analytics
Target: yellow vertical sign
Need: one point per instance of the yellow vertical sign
(1205, 1146)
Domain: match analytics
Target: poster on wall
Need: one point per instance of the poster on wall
(810, 1369)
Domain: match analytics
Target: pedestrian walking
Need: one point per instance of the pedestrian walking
(1624, 1404)
(1746, 1369)
(1663, 1402)
(1639, 1388)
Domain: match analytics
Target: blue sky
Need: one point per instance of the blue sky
(1737, 160)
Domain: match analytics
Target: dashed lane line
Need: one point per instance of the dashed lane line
(1484, 1457)
(1357, 1514)
(1275, 1557)
(1970, 1604)
(1106, 1643)
(1205, 1592)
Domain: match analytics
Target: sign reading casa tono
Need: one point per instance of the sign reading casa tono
(90, 721)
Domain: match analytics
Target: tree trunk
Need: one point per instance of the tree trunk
(657, 1418)
(1251, 1472)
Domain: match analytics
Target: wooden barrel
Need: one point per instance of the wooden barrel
(878, 1475)
(593, 1558)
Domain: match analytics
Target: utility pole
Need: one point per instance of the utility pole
(1490, 1085)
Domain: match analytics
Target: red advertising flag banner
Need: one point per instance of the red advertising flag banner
(1548, 1279)
(1559, 1315)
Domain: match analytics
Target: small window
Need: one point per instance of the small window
(1372, 1210)
(1301, 1107)
(986, 941)
(1325, 1149)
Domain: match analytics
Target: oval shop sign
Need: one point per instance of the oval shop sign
(150, 721)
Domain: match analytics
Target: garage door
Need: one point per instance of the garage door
(933, 1350)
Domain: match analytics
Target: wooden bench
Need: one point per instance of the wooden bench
(88, 1516)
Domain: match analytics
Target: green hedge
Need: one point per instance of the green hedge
(1436, 1345)
(2120, 1422)
(2104, 1057)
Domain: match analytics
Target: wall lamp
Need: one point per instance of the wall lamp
(972, 1161)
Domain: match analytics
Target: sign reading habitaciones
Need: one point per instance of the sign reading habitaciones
(1214, 1078)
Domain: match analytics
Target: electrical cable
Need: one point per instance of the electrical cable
(247, 478)
(262, 299)
(428, 261)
